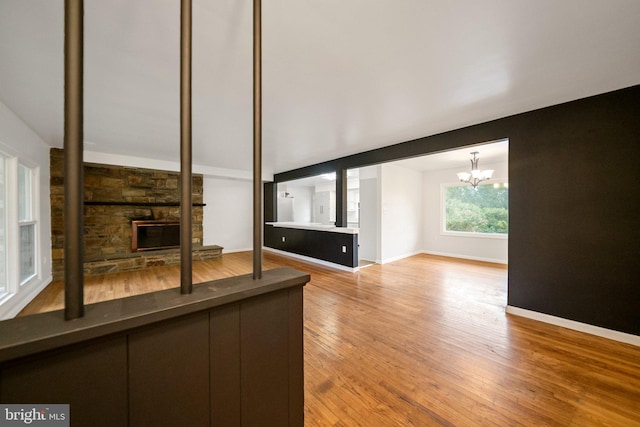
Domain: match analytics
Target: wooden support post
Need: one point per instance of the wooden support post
(73, 160)
(257, 140)
(186, 281)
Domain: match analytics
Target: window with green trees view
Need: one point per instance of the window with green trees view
(481, 210)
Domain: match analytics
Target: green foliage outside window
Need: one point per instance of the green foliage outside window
(485, 210)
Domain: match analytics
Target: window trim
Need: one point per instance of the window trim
(36, 268)
(473, 234)
(13, 281)
(6, 288)
(13, 235)
(34, 204)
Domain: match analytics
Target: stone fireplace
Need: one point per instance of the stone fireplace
(114, 197)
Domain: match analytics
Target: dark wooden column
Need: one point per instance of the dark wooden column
(186, 282)
(257, 139)
(341, 198)
(73, 160)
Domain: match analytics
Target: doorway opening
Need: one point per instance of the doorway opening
(400, 207)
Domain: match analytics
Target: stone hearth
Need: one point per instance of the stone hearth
(140, 260)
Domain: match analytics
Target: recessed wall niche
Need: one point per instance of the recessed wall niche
(107, 216)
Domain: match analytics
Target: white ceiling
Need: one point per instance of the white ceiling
(339, 77)
(490, 153)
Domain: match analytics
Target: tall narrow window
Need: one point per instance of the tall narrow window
(27, 223)
(3, 227)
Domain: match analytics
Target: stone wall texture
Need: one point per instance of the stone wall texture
(107, 228)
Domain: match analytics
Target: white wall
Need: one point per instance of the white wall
(19, 141)
(144, 162)
(368, 236)
(401, 213)
(434, 242)
(302, 203)
(228, 214)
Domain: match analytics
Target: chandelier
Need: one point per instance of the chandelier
(476, 176)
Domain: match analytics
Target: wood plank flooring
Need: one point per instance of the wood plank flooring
(425, 341)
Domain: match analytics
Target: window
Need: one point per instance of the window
(3, 228)
(19, 229)
(27, 224)
(483, 211)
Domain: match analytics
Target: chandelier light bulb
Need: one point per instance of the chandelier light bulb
(464, 176)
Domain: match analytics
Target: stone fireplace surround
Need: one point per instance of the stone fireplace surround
(114, 196)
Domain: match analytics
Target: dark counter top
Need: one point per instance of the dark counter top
(45, 331)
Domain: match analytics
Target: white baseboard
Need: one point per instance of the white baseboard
(230, 251)
(398, 257)
(472, 258)
(576, 326)
(313, 260)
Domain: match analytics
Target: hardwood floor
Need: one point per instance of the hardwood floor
(425, 341)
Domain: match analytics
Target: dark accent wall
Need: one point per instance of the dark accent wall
(324, 245)
(574, 236)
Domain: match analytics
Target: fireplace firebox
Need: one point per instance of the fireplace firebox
(148, 235)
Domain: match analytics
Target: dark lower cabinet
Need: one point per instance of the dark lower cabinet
(338, 248)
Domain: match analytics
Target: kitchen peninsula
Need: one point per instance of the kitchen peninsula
(324, 242)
